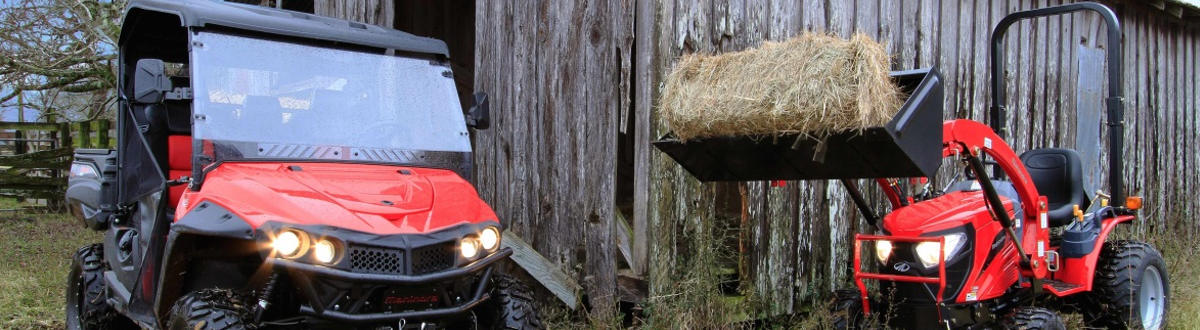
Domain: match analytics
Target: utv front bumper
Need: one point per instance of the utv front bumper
(382, 278)
(343, 307)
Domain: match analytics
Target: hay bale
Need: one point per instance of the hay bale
(813, 84)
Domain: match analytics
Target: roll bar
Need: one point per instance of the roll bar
(1114, 103)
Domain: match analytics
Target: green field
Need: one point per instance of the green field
(33, 267)
(39, 246)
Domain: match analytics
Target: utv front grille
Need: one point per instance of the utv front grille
(376, 260)
(433, 258)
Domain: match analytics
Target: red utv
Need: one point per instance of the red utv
(987, 249)
(281, 169)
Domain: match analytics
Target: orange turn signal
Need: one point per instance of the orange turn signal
(1133, 202)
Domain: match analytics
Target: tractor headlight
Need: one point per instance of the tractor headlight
(287, 243)
(883, 250)
(469, 247)
(489, 238)
(324, 251)
(929, 253)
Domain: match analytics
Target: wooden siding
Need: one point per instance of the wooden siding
(554, 70)
(563, 75)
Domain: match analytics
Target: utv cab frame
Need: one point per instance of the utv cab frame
(276, 168)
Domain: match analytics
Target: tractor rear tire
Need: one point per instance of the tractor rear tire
(1034, 318)
(217, 309)
(1131, 277)
(87, 304)
(846, 310)
(511, 305)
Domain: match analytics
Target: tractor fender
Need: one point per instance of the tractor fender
(1081, 270)
(208, 221)
(1106, 226)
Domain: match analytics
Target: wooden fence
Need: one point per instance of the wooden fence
(35, 158)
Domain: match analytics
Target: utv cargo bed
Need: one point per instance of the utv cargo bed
(908, 146)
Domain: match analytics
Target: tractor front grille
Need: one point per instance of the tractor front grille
(433, 258)
(375, 260)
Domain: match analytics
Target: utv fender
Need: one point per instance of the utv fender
(206, 222)
(210, 219)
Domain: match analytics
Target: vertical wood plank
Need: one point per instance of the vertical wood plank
(927, 34)
(948, 52)
(907, 49)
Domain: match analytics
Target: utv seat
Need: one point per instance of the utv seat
(179, 164)
(1058, 175)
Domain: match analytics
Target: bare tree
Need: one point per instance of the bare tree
(62, 51)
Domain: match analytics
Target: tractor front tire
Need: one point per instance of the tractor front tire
(846, 310)
(510, 307)
(87, 303)
(1034, 318)
(217, 309)
(1130, 280)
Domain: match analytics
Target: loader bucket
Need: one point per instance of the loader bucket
(910, 145)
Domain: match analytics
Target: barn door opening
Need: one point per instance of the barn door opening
(452, 21)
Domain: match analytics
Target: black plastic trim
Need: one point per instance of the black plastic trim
(206, 13)
(296, 266)
(211, 219)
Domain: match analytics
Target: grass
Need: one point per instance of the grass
(35, 265)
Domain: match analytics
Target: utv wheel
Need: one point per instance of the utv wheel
(847, 310)
(510, 307)
(87, 305)
(217, 309)
(1034, 318)
(1130, 287)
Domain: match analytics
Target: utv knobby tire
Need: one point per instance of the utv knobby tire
(1121, 272)
(511, 305)
(846, 310)
(87, 302)
(1034, 318)
(216, 309)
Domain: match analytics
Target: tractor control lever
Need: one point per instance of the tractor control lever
(998, 211)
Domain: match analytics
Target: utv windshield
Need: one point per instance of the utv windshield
(272, 100)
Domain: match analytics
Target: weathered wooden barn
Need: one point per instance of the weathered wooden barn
(569, 167)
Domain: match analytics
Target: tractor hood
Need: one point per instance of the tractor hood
(377, 199)
(948, 211)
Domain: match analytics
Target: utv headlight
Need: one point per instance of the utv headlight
(287, 243)
(489, 238)
(469, 247)
(929, 253)
(324, 251)
(883, 250)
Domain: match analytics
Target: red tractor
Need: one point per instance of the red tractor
(325, 188)
(983, 251)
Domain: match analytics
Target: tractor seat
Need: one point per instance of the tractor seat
(179, 164)
(1058, 175)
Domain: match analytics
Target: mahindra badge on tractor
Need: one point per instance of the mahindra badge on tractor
(276, 168)
(1007, 237)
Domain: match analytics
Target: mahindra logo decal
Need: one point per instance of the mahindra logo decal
(902, 267)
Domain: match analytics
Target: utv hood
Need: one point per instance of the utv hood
(377, 199)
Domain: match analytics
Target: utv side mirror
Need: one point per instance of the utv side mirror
(479, 116)
(150, 82)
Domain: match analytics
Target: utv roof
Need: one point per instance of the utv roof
(204, 13)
